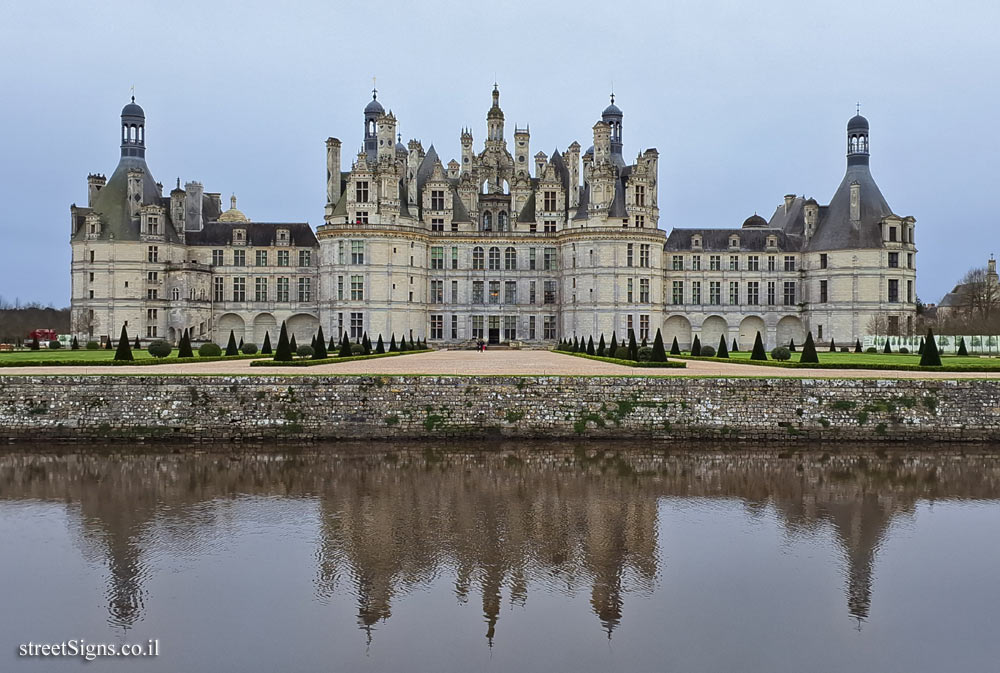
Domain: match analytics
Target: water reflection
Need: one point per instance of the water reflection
(566, 519)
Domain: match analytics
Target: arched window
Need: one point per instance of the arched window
(510, 259)
(477, 258)
(494, 258)
(502, 221)
(487, 221)
(175, 293)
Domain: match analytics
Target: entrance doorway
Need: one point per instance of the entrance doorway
(494, 329)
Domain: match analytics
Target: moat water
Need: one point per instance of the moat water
(503, 558)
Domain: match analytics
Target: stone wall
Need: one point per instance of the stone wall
(295, 408)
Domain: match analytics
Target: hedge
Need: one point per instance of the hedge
(334, 360)
(847, 365)
(144, 362)
(626, 363)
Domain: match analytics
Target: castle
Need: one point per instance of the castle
(503, 246)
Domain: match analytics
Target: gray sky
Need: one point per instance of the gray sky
(744, 101)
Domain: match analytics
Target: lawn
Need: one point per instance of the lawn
(69, 354)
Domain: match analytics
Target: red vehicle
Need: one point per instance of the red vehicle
(44, 336)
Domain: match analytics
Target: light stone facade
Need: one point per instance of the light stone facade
(502, 246)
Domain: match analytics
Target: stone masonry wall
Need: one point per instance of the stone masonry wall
(296, 408)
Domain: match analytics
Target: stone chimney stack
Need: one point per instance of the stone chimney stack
(95, 182)
(789, 200)
(332, 172)
(193, 217)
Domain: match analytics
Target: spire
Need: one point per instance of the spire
(232, 201)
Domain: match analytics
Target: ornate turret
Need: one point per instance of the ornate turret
(133, 130)
(494, 119)
(612, 116)
(233, 214)
(857, 140)
(373, 111)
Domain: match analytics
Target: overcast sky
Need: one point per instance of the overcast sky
(745, 102)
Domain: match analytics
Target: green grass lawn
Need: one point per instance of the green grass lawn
(69, 354)
(881, 358)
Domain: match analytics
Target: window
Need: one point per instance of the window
(437, 224)
(644, 290)
(789, 293)
(770, 263)
(494, 292)
(628, 254)
(531, 259)
(260, 289)
(437, 291)
(909, 291)
(305, 257)
(437, 199)
(90, 294)
(361, 217)
(357, 325)
(677, 294)
(734, 263)
(677, 263)
(153, 254)
(549, 226)
(357, 288)
(532, 227)
(823, 292)
(753, 263)
(478, 258)
(454, 227)
(494, 259)
(715, 263)
(217, 257)
(437, 326)
(644, 255)
(340, 288)
(150, 330)
(531, 327)
(510, 259)
(152, 294)
(823, 260)
(454, 292)
(893, 260)
(770, 293)
(640, 195)
(734, 292)
(153, 226)
(454, 326)
(696, 262)
(510, 292)
(262, 258)
(753, 293)
(628, 325)
(92, 256)
(239, 289)
(819, 331)
(550, 201)
(715, 292)
(239, 257)
(909, 260)
(548, 327)
(696, 292)
(305, 289)
(361, 191)
(437, 257)
(893, 327)
(454, 257)
(892, 234)
(151, 276)
(628, 289)
(789, 263)
(531, 292)
(218, 289)
(477, 292)
(477, 327)
(549, 260)
(549, 292)
(151, 314)
(643, 327)
(282, 289)
(239, 236)
(893, 290)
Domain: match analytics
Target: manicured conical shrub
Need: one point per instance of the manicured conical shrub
(184, 349)
(402, 344)
(312, 343)
(696, 346)
(266, 348)
(576, 345)
(366, 344)
(294, 346)
(633, 347)
(590, 346)
(345, 346)
(379, 346)
(809, 350)
(240, 346)
(75, 345)
(659, 354)
(857, 346)
(758, 352)
(833, 346)
(735, 347)
(393, 348)
(930, 357)
(791, 346)
(123, 352)
(888, 348)
(284, 352)
(137, 345)
(332, 345)
(107, 344)
(613, 346)
(231, 347)
(601, 346)
(644, 344)
(920, 349)
(675, 348)
(37, 346)
(723, 352)
(962, 350)
(319, 352)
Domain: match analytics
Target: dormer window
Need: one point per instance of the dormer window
(239, 236)
(283, 237)
(772, 242)
(734, 241)
(696, 241)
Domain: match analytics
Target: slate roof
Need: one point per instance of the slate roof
(836, 231)
(111, 203)
(258, 233)
(717, 240)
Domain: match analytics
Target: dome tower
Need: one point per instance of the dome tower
(373, 111)
(612, 116)
(133, 131)
(857, 141)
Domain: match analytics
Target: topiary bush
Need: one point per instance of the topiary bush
(781, 353)
(871, 349)
(622, 353)
(249, 349)
(357, 349)
(209, 350)
(159, 348)
(645, 353)
(304, 351)
(707, 352)
(904, 350)
(55, 345)
(845, 349)
(93, 346)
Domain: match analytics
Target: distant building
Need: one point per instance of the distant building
(502, 246)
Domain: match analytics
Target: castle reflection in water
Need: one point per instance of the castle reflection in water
(505, 519)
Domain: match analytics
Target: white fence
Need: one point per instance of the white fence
(946, 343)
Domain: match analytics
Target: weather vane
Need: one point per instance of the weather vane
(374, 90)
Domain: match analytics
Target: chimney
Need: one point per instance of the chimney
(811, 217)
(193, 217)
(540, 160)
(789, 199)
(332, 171)
(95, 182)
